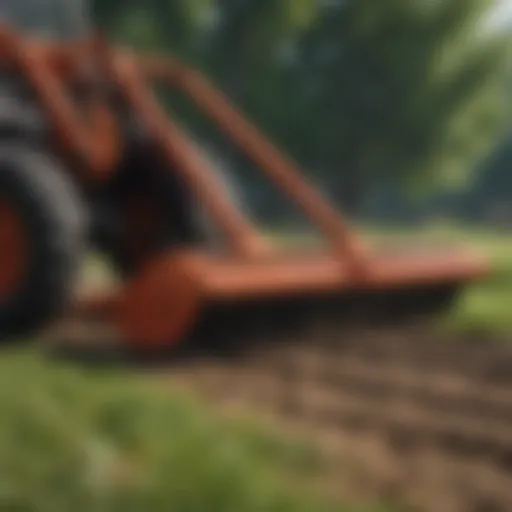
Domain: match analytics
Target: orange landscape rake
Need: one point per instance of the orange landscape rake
(179, 287)
(188, 288)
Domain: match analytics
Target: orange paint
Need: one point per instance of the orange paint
(161, 305)
(50, 69)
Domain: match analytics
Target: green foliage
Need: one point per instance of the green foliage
(492, 187)
(154, 24)
(357, 90)
(485, 306)
(413, 90)
(86, 441)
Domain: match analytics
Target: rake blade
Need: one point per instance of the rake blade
(234, 325)
(219, 300)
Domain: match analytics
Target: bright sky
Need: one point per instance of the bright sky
(503, 14)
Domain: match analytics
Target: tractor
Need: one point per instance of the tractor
(90, 159)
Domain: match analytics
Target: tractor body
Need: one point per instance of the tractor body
(88, 157)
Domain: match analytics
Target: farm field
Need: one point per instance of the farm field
(419, 416)
(411, 419)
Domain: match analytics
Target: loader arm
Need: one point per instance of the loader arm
(94, 142)
(184, 159)
(133, 72)
(97, 145)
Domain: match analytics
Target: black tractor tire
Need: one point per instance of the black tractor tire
(55, 225)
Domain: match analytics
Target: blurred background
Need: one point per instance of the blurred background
(399, 109)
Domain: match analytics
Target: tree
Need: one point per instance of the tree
(492, 186)
(408, 90)
(163, 25)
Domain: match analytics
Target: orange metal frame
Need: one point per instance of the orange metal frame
(183, 282)
(49, 67)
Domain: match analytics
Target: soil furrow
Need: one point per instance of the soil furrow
(415, 416)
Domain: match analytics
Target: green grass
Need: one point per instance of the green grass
(81, 441)
(484, 306)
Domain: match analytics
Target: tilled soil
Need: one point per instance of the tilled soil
(406, 415)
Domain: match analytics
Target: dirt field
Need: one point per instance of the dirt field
(407, 415)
